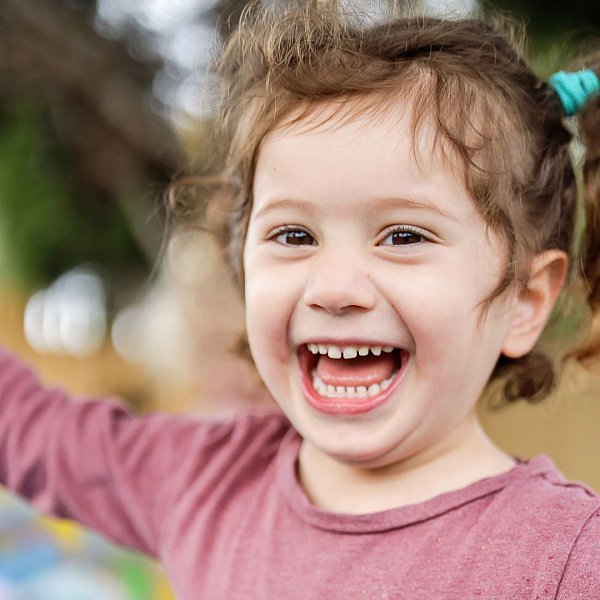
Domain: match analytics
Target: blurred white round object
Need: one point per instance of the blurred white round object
(153, 333)
(70, 316)
(126, 333)
(82, 312)
(33, 322)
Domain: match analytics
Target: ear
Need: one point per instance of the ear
(534, 302)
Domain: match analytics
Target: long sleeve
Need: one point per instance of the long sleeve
(93, 462)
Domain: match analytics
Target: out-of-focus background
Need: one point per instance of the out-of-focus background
(102, 104)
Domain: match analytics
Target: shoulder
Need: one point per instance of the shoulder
(540, 486)
(535, 504)
(256, 434)
(547, 525)
(543, 500)
(245, 432)
(581, 576)
(562, 520)
(219, 463)
(192, 448)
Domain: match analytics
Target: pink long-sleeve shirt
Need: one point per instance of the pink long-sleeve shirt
(219, 504)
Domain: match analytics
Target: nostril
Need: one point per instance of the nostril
(338, 287)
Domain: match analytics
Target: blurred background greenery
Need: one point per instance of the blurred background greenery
(102, 104)
(95, 97)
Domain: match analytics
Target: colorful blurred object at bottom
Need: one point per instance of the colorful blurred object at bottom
(48, 559)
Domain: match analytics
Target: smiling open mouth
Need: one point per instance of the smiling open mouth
(349, 379)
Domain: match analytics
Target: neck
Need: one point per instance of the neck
(450, 465)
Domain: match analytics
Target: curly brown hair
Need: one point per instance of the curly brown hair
(470, 78)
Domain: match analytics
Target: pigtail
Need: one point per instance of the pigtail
(589, 123)
(530, 377)
(589, 126)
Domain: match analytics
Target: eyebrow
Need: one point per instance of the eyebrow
(370, 205)
(393, 202)
(289, 203)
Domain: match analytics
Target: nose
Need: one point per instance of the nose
(338, 282)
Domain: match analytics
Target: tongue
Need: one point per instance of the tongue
(362, 370)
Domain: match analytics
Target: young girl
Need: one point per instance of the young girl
(400, 209)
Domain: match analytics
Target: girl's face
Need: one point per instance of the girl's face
(353, 245)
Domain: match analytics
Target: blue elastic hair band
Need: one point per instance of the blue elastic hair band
(574, 89)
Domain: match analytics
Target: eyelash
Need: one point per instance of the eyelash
(285, 229)
(407, 229)
(398, 229)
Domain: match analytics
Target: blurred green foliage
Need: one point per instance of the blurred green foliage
(557, 31)
(50, 221)
(547, 20)
(47, 224)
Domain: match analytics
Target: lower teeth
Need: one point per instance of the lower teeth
(340, 391)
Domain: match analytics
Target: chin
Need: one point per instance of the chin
(358, 448)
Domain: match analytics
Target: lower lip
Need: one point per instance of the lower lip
(349, 406)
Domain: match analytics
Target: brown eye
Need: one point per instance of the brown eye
(295, 237)
(401, 238)
(404, 236)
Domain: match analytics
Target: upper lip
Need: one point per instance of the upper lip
(347, 342)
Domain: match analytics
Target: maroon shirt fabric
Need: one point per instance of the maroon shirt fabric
(218, 503)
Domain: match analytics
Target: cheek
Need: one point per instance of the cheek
(441, 311)
(270, 304)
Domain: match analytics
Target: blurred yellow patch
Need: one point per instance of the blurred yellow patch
(68, 534)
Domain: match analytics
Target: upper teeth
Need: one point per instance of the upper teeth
(347, 351)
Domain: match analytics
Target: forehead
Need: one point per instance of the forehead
(339, 152)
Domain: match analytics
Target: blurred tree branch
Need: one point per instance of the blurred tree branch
(98, 95)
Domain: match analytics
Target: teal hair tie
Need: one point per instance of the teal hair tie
(574, 89)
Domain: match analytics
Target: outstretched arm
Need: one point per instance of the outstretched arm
(123, 475)
(89, 461)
